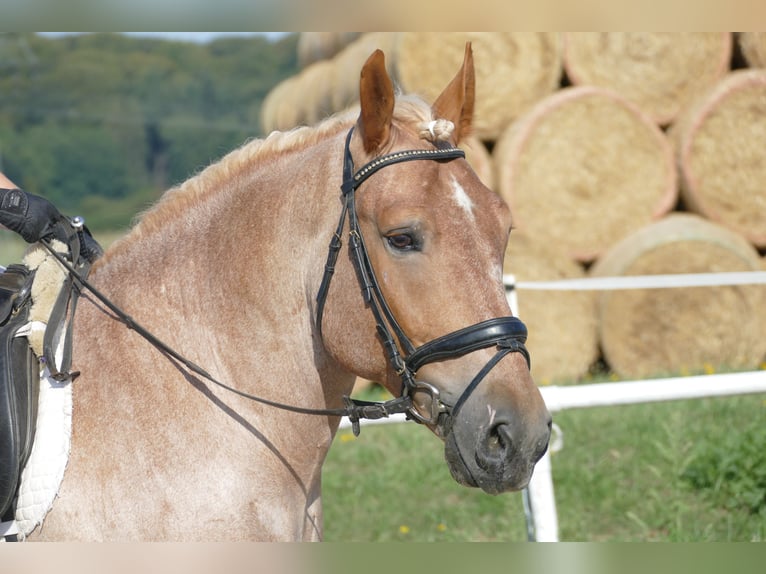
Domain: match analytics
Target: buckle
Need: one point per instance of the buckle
(436, 406)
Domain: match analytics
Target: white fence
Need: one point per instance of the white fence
(539, 497)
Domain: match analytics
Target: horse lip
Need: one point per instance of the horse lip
(457, 466)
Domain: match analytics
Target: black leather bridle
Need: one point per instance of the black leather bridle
(508, 334)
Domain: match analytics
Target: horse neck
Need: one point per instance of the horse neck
(255, 245)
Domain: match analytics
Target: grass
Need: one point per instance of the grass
(621, 476)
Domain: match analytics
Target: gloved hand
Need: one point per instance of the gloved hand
(31, 216)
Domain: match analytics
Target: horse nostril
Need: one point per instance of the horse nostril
(499, 440)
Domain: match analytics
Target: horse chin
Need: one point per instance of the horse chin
(469, 469)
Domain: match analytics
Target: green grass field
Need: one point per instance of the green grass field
(625, 474)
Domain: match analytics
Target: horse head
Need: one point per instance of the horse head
(426, 242)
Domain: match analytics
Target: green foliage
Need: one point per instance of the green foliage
(67, 163)
(108, 116)
(733, 470)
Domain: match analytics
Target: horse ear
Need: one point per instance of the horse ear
(376, 96)
(456, 101)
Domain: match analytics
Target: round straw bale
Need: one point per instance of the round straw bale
(648, 332)
(659, 72)
(314, 92)
(583, 169)
(316, 46)
(753, 46)
(562, 342)
(348, 63)
(480, 159)
(513, 71)
(279, 110)
(720, 147)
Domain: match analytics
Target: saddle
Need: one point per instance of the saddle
(19, 381)
(37, 306)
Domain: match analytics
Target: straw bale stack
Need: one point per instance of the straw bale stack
(659, 72)
(323, 87)
(584, 168)
(280, 110)
(646, 332)
(513, 71)
(316, 46)
(349, 61)
(562, 342)
(721, 151)
(315, 92)
(753, 46)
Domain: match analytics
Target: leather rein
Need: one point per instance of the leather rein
(508, 334)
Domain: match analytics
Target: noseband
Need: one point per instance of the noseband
(508, 334)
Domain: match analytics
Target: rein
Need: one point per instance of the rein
(507, 333)
(354, 409)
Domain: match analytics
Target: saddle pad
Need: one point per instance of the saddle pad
(44, 471)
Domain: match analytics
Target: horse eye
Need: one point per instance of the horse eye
(401, 242)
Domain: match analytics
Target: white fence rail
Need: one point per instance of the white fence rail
(539, 497)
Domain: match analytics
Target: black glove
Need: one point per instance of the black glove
(31, 216)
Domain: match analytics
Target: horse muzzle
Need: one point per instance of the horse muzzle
(496, 454)
(491, 440)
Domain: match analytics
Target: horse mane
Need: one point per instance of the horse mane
(410, 111)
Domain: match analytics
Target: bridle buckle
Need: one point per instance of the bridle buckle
(437, 407)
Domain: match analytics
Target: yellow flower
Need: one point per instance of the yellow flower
(347, 437)
(709, 369)
(404, 529)
(441, 527)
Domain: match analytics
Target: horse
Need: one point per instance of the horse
(232, 270)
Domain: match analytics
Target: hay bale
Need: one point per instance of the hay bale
(316, 46)
(280, 110)
(314, 90)
(563, 342)
(659, 72)
(647, 332)
(349, 61)
(322, 88)
(584, 168)
(513, 71)
(753, 46)
(720, 145)
(480, 159)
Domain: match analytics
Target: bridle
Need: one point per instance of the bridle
(508, 334)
